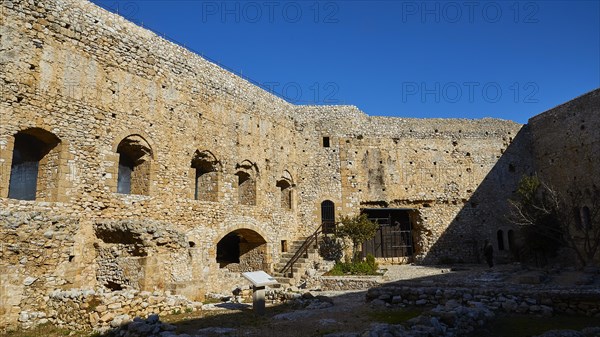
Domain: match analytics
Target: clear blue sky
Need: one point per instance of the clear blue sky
(467, 59)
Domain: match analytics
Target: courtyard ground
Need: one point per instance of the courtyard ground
(351, 313)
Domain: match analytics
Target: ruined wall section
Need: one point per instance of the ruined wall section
(449, 170)
(566, 143)
(38, 250)
(91, 79)
(322, 129)
(566, 149)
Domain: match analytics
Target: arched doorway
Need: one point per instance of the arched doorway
(242, 250)
(328, 216)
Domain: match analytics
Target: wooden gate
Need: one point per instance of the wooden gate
(394, 236)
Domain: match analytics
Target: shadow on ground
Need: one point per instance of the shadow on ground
(351, 313)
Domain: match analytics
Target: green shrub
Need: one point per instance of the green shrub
(331, 249)
(368, 267)
(371, 262)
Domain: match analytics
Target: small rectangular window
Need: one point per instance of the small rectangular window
(325, 141)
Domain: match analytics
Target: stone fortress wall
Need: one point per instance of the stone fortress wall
(210, 157)
(566, 143)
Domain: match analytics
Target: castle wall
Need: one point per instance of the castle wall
(91, 79)
(102, 88)
(566, 143)
(457, 174)
(566, 146)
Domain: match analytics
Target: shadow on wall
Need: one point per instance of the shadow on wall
(485, 213)
(242, 250)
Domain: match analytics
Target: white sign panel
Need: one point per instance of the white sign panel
(259, 278)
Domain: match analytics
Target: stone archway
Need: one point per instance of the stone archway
(242, 250)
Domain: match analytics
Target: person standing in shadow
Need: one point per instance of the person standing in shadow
(488, 253)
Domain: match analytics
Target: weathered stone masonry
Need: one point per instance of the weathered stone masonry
(128, 162)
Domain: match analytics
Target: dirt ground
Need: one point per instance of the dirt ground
(350, 312)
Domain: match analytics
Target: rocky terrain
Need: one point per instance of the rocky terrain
(410, 301)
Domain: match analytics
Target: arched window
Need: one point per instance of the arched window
(285, 185)
(585, 217)
(511, 240)
(577, 216)
(134, 166)
(35, 165)
(206, 176)
(500, 235)
(285, 192)
(246, 183)
(328, 216)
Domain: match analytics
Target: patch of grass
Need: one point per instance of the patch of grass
(48, 330)
(522, 325)
(212, 300)
(352, 268)
(367, 267)
(395, 316)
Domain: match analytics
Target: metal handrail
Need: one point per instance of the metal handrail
(309, 240)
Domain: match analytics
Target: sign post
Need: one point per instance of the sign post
(259, 280)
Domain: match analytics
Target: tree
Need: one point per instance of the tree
(550, 220)
(358, 229)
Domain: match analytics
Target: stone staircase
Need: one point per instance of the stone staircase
(299, 267)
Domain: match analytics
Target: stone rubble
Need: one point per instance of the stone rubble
(587, 332)
(102, 310)
(518, 300)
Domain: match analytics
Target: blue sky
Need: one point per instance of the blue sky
(465, 59)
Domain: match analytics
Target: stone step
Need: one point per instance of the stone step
(295, 248)
(284, 261)
(295, 269)
(289, 254)
(283, 281)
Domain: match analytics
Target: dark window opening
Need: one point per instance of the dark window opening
(126, 166)
(577, 216)
(326, 142)
(585, 217)
(500, 237)
(34, 166)
(328, 216)
(511, 240)
(284, 246)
